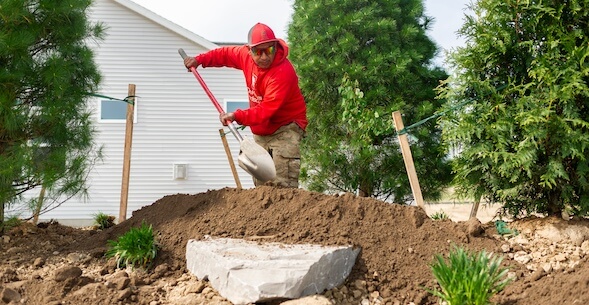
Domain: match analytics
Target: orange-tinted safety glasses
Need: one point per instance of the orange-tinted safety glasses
(268, 51)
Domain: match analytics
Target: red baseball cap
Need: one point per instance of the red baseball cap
(259, 34)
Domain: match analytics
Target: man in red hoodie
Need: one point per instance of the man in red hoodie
(277, 113)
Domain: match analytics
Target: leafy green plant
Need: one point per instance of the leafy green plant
(441, 215)
(137, 247)
(519, 120)
(468, 278)
(10, 223)
(103, 221)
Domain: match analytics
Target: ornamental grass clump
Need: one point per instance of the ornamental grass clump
(468, 278)
(441, 215)
(9, 223)
(103, 221)
(136, 248)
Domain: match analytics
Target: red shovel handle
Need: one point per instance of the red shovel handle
(211, 96)
(202, 83)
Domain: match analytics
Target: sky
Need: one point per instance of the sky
(230, 20)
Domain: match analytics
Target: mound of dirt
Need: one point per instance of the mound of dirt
(398, 243)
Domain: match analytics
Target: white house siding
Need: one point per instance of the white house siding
(176, 121)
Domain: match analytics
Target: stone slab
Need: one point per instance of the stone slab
(246, 272)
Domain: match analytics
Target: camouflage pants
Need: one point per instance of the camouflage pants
(283, 146)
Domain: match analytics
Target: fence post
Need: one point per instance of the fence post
(127, 154)
(408, 159)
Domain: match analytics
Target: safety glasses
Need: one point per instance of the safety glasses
(268, 51)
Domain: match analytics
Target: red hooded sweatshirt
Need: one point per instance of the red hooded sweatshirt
(275, 98)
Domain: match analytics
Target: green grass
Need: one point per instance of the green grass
(468, 278)
(136, 248)
(103, 221)
(10, 222)
(441, 215)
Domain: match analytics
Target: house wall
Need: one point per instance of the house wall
(176, 121)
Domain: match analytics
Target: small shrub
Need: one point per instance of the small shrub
(504, 230)
(103, 221)
(468, 278)
(441, 215)
(9, 223)
(136, 248)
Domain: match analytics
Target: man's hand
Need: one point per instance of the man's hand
(191, 62)
(224, 117)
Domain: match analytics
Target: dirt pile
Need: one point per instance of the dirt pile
(398, 245)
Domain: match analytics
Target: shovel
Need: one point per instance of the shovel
(253, 158)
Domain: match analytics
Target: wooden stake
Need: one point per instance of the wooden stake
(408, 159)
(127, 155)
(229, 158)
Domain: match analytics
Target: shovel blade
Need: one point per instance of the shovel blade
(256, 161)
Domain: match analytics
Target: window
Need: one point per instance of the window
(112, 111)
(232, 105)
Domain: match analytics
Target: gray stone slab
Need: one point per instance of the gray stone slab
(247, 272)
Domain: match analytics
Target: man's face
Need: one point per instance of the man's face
(263, 54)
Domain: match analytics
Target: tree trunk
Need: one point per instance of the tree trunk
(554, 206)
(2, 218)
(39, 206)
(365, 190)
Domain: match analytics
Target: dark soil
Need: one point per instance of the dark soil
(398, 244)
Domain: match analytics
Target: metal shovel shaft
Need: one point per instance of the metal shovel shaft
(253, 158)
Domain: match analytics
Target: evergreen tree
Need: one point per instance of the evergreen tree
(524, 126)
(359, 61)
(46, 73)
